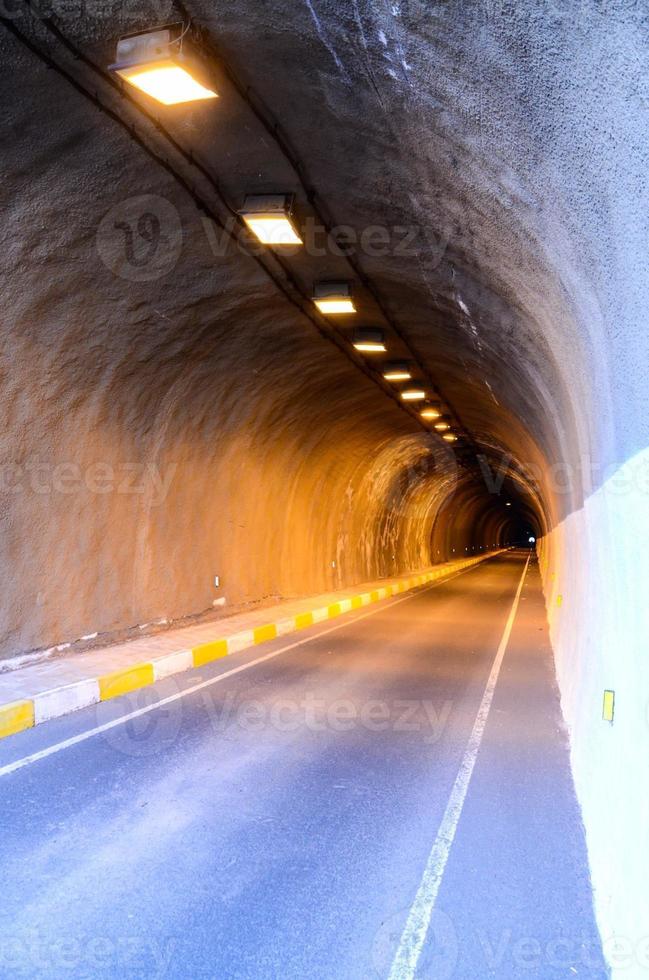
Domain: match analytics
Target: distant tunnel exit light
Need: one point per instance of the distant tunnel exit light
(154, 63)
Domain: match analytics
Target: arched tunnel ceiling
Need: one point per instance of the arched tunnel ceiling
(460, 130)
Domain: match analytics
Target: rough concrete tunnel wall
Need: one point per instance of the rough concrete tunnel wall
(161, 430)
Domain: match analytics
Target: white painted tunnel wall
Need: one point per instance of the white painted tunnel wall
(598, 563)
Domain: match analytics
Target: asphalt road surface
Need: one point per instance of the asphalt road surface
(388, 797)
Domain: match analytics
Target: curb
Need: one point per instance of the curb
(17, 716)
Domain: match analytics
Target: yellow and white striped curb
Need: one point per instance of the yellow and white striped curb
(19, 715)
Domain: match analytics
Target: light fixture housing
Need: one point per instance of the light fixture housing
(442, 426)
(449, 437)
(413, 394)
(397, 371)
(333, 298)
(270, 218)
(431, 412)
(371, 340)
(155, 63)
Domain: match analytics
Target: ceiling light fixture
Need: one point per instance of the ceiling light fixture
(154, 62)
(333, 298)
(369, 340)
(413, 394)
(442, 426)
(430, 412)
(449, 437)
(397, 371)
(270, 218)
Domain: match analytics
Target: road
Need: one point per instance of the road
(280, 815)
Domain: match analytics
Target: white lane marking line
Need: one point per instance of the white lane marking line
(69, 742)
(404, 965)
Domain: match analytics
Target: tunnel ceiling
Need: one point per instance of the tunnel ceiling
(457, 128)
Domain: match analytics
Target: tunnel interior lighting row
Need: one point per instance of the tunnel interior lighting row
(156, 63)
(336, 299)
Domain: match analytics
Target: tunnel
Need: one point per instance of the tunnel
(187, 436)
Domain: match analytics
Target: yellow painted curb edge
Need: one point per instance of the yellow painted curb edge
(16, 716)
(124, 681)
